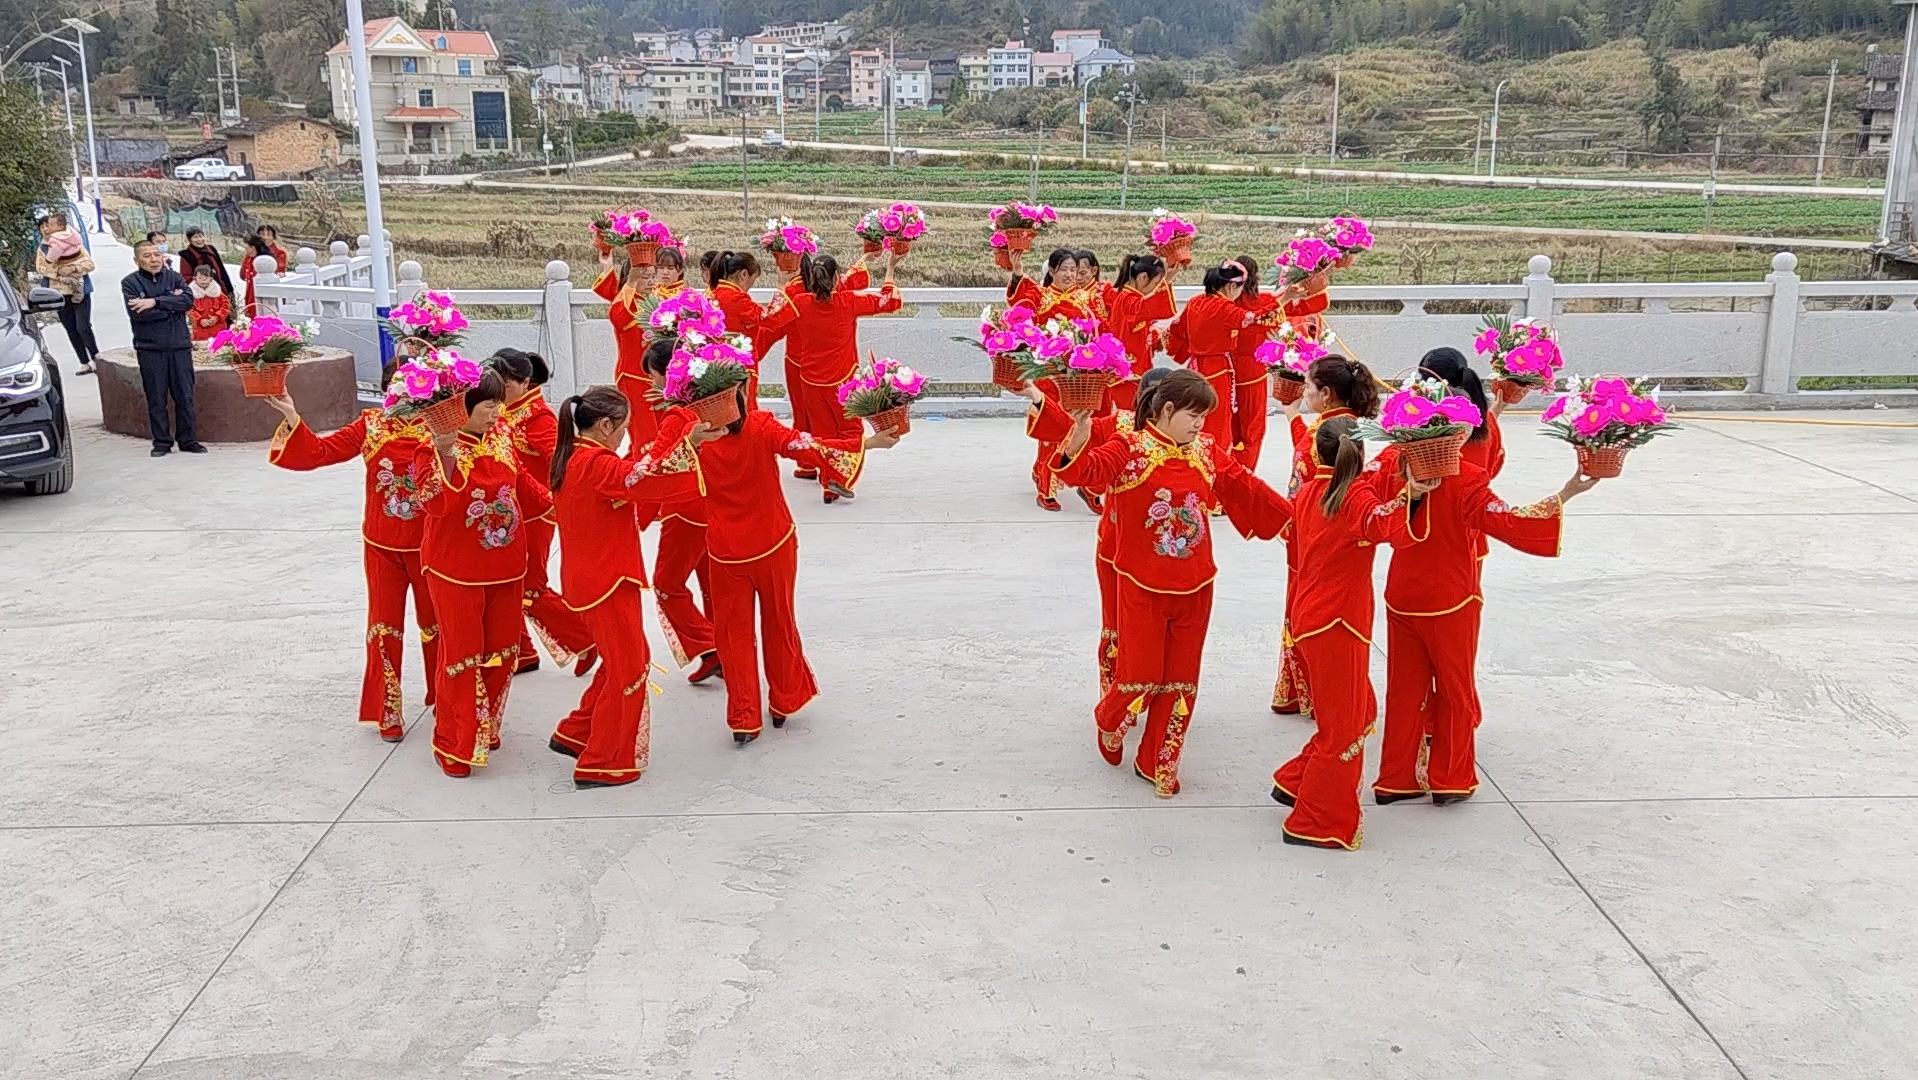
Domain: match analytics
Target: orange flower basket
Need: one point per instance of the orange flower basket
(1433, 459)
(1178, 252)
(897, 420)
(1287, 389)
(642, 252)
(263, 380)
(1020, 239)
(1081, 393)
(1603, 462)
(718, 409)
(787, 261)
(901, 245)
(1002, 258)
(872, 247)
(447, 415)
(1005, 374)
(1511, 393)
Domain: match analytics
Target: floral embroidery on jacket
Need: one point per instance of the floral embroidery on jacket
(1177, 528)
(497, 518)
(400, 494)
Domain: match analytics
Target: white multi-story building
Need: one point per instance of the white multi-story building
(437, 94)
(1079, 42)
(809, 35)
(757, 78)
(684, 89)
(561, 85)
(617, 86)
(911, 84)
(1100, 62)
(975, 71)
(1008, 66)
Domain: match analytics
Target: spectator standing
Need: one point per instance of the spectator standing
(198, 252)
(266, 241)
(158, 300)
(159, 239)
(212, 310)
(64, 265)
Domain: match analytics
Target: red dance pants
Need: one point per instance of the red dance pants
(479, 647)
(558, 626)
(1248, 421)
(816, 409)
(768, 582)
(1423, 651)
(1156, 676)
(612, 727)
(1108, 622)
(389, 574)
(1289, 692)
(685, 622)
(1323, 780)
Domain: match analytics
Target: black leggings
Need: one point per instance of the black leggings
(77, 317)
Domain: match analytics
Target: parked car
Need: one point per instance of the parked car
(36, 446)
(209, 168)
(773, 138)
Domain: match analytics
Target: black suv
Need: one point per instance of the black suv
(35, 446)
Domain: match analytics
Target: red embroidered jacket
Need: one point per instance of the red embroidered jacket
(1439, 574)
(1334, 555)
(746, 513)
(1208, 330)
(1047, 302)
(1266, 317)
(475, 531)
(598, 528)
(629, 335)
(396, 487)
(535, 433)
(1487, 453)
(1158, 494)
(823, 349)
(1130, 320)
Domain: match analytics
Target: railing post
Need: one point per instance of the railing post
(337, 253)
(1538, 289)
(411, 284)
(1781, 326)
(266, 271)
(557, 332)
(306, 271)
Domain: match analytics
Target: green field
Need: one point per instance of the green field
(1748, 215)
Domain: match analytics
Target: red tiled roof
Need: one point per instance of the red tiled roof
(413, 112)
(458, 42)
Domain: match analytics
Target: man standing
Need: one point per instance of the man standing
(157, 302)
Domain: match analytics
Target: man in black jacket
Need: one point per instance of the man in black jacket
(157, 302)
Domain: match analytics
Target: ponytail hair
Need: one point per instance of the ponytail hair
(520, 366)
(1218, 277)
(819, 275)
(576, 414)
(706, 260)
(1251, 265)
(1337, 441)
(725, 264)
(1449, 364)
(1133, 265)
(1349, 381)
(1058, 258)
(1144, 404)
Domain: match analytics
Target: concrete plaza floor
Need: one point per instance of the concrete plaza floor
(1693, 856)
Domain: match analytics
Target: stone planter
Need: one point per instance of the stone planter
(322, 382)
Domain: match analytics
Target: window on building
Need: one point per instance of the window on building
(466, 67)
(410, 65)
(426, 99)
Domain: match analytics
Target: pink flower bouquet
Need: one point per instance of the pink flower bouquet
(1428, 423)
(1171, 236)
(892, 228)
(1305, 258)
(1015, 224)
(783, 234)
(689, 315)
(1288, 353)
(1523, 352)
(708, 362)
(1604, 418)
(1350, 235)
(883, 394)
(425, 381)
(428, 321)
(263, 340)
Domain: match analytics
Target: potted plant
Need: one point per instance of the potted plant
(1428, 423)
(708, 364)
(1080, 361)
(883, 394)
(1171, 237)
(1524, 355)
(1350, 235)
(893, 228)
(1287, 356)
(1606, 418)
(261, 352)
(788, 241)
(1016, 225)
(427, 322)
(433, 388)
(641, 234)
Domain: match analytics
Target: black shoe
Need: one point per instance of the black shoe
(741, 738)
(558, 747)
(195, 448)
(1446, 799)
(160, 451)
(1387, 798)
(778, 720)
(1329, 845)
(1279, 796)
(584, 784)
(527, 668)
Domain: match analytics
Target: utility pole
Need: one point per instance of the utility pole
(73, 141)
(890, 84)
(1132, 111)
(1831, 84)
(1711, 181)
(1162, 112)
(1338, 76)
(1478, 145)
(219, 83)
(745, 184)
(1085, 114)
(1498, 96)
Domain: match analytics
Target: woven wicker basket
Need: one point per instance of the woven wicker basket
(262, 380)
(897, 420)
(1433, 459)
(1005, 373)
(1511, 393)
(1603, 462)
(787, 261)
(1081, 393)
(1176, 252)
(717, 409)
(642, 252)
(447, 415)
(1287, 388)
(1020, 239)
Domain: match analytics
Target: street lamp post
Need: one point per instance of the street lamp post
(1338, 79)
(1497, 97)
(1085, 114)
(73, 141)
(370, 172)
(79, 45)
(1132, 112)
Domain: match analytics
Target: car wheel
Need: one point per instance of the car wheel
(56, 483)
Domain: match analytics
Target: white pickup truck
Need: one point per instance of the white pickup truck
(209, 168)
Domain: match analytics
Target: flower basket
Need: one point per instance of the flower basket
(787, 261)
(599, 241)
(1287, 388)
(872, 247)
(1005, 373)
(718, 409)
(1344, 262)
(788, 241)
(1002, 258)
(1603, 462)
(897, 420)
(642, 252)
(892, 228)
(901, 245)
(1351, 236)
(263, 380)
(1178, 252)
(1020, 240)
(1432, 459)
(1511, 393)
(447, 415)
(1081, 392)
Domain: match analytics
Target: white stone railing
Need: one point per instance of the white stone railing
(1767, 333)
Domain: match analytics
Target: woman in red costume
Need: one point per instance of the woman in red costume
(1161, 483)
(595, 493)
(535, 433)
(1250, 391)
(1486, 447)
(730, 279)
(685, 620)
(1206, 336)
(822, 351)
(1338, 521)
(1334, 387)
(474, 552)
(390, 529)
(1059, 296)
(1142, 303)
(755, 556)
